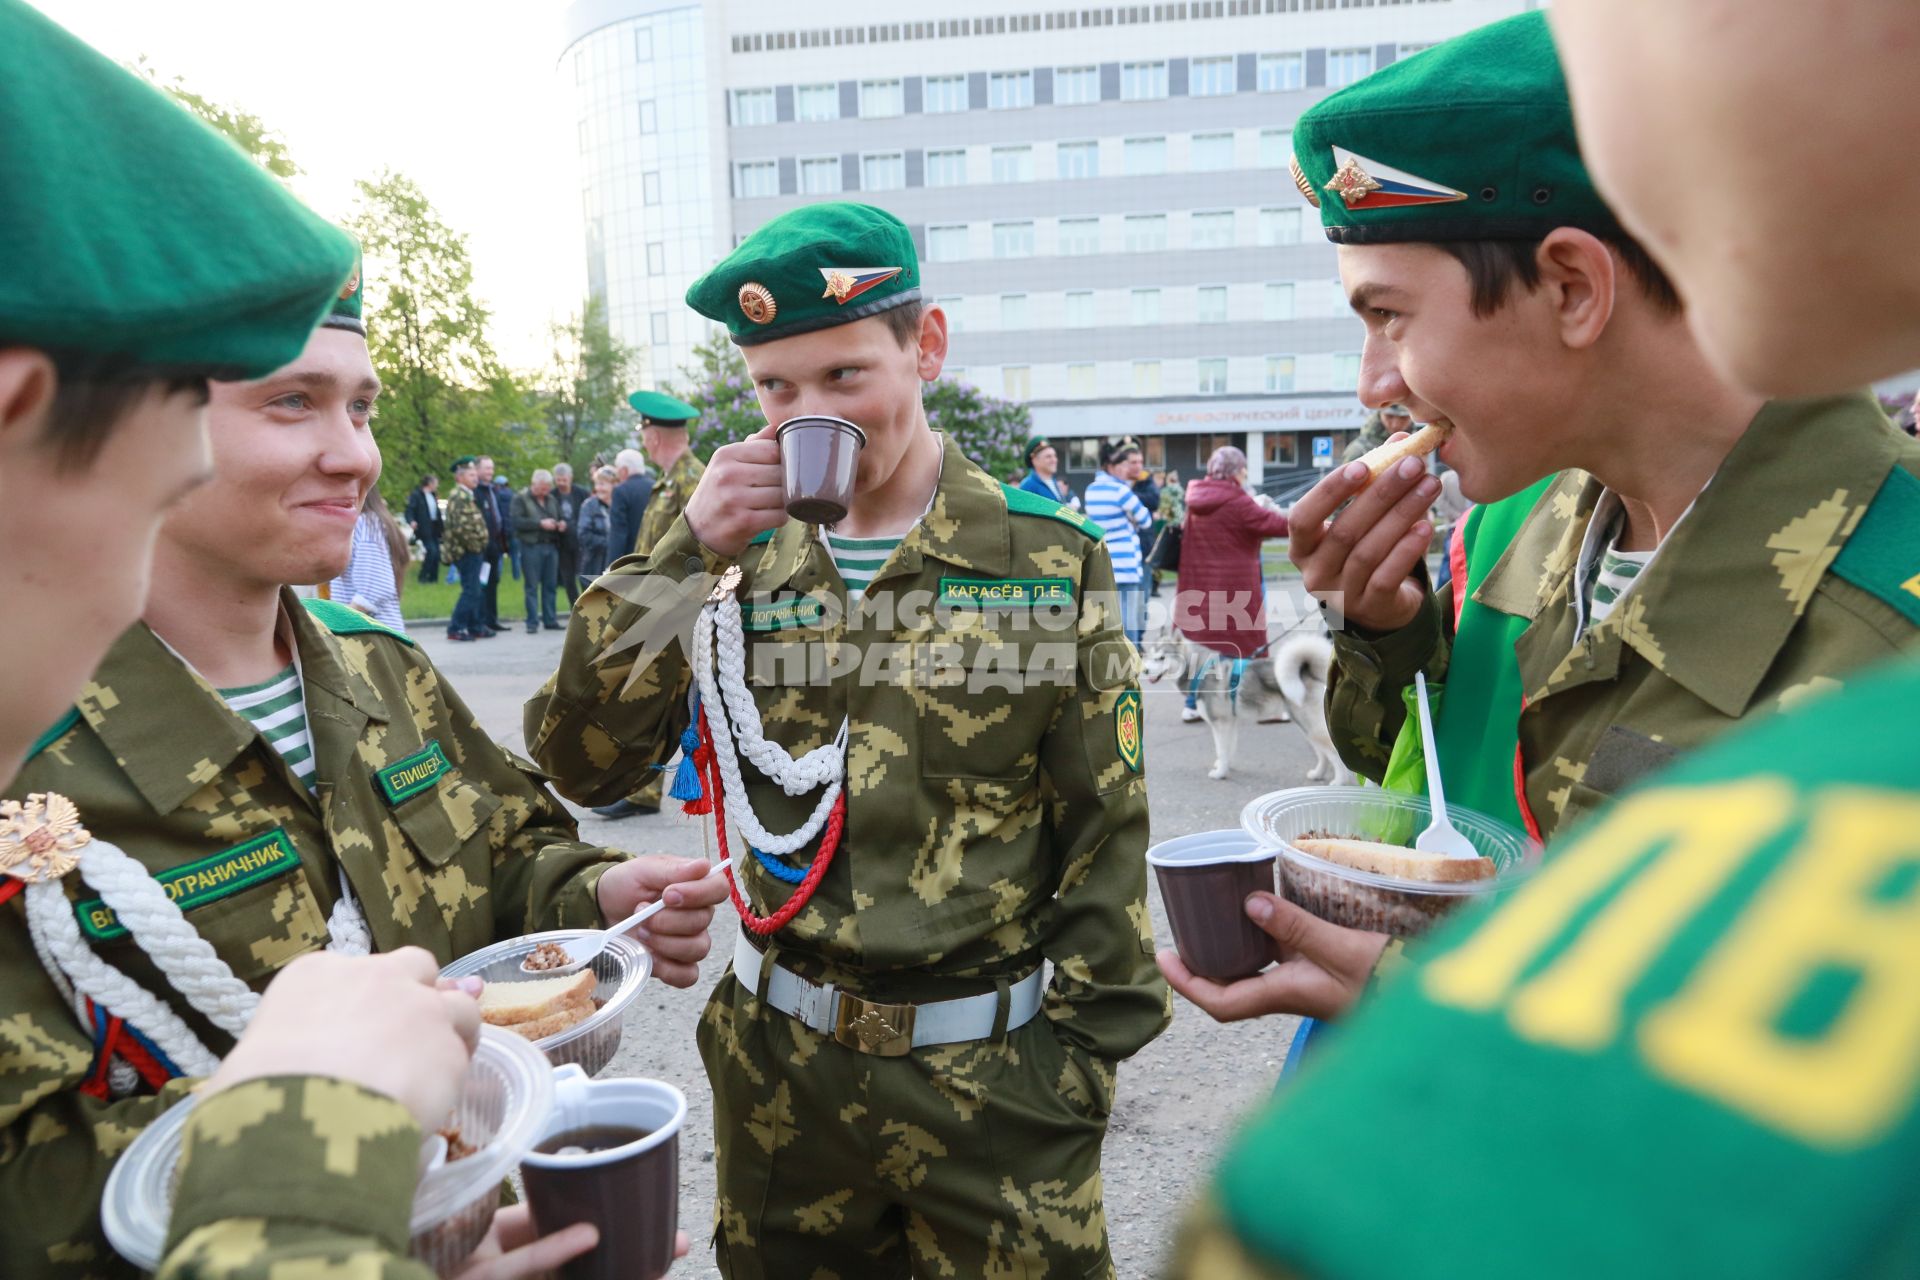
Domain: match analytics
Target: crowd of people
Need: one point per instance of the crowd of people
(1676, 649)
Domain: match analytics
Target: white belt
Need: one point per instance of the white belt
(885, 1030)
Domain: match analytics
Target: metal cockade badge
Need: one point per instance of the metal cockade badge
(728, 584)
(40, 839)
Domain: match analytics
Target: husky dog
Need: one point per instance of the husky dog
(1291, 684)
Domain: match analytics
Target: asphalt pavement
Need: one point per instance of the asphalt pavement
(1179, 1098)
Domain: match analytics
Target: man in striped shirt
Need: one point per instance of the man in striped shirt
(1112, 502)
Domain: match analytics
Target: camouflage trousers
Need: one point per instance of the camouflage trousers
(972, 1160)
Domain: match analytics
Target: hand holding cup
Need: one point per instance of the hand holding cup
(742, 494)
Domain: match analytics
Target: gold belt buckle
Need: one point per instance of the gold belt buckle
(883, 1030)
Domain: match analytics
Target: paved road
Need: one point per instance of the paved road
(1179, 1098)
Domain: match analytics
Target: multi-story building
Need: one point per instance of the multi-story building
(1100, 195)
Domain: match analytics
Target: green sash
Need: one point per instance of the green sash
(1477, 723)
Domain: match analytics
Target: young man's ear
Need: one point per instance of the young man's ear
(1579, 277)
(28, 384)
(933, 343)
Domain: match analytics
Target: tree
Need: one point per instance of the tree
(992, 432)
(586, 385)
(247, 131)
(718, 385)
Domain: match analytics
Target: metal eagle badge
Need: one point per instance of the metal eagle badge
(40, 839)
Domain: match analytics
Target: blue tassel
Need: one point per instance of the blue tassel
(780, 870)
(686, 779)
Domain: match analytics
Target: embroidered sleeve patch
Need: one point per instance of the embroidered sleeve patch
(781, 615)
(1128, 730)
(416, 773)
(1006, 593)
(207, 880)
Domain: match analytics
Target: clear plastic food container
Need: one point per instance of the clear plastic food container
(502, 1112)
(1364, 899)
(622, 969)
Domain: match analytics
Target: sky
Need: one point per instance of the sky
(460, 95)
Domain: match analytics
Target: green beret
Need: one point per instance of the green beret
(1469, 140)
(1034, 446)
(133, 230)
(345, 312)
(662, 410)
(812, 268)
(462, 462)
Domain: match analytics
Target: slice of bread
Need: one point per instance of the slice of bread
(1418, 445)
(554, 1023)
(1396, 860)
(504, 1003)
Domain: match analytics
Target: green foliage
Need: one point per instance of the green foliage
(991, 432)
(248, 131)
(718, 385)
(584, 390)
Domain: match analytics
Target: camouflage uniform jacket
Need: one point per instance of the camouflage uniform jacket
(1792, 569)
(295, 1176)
(448, 841)
(466, 528)
(1373, 434)
(985, 829)
(670, 498)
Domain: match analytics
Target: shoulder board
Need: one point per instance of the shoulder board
(344, 621)
(1883, 555)
(53, 735)
(1022, 503)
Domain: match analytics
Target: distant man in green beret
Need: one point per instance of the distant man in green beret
(1706, 994)
(945, 791)
(1043, 473)
(292, 776)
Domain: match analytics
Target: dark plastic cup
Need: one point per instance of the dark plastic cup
(631, 1191)
(1204, 881)
(818, 458)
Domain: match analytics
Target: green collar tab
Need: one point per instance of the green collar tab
(208, 880)
(343, 620)
(1883, 555)
(418, 772)
(1022, 503)
(1006, 593)
(781, 615)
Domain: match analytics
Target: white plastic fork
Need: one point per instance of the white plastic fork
(581, 950)
(1441, 836)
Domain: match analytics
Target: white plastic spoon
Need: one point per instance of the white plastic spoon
(581, 950)
(1441, 836)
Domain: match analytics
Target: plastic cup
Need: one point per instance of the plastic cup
(818, 458)
(1204, 881)
(630, 1191)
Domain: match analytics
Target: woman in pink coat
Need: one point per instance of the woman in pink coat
(1220, 601)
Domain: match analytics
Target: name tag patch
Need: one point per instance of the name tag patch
(207, 880)
(418, 772)
(781, 615)
(1006, 593)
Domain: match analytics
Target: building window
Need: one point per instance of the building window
(1279, 373)
(1017, 379)
(1344, 66)
(1080, 381)
(880, 98)
(1008, 89)
(1013, 239)
(1075, 85)
(886, 171)
(656, 259)
(658, 327)
(1146, 377)
(1211, 307)
(1408, 50)
(1013, 164)
(1143, 80)
(1279, 303)
(643, 44)
(1211, 77)
(946, 168)
(1281, 449)
(1146, 306)
(820, 175)
(1212, 151)
(1213, 230)
(955, 372)
(1346, 370)
(755, 178)
(649, 119)
(650, 188)
(1279, 72)
(1279, 226)
(580, 67)
(1276, 148)
(1079, 159)
(1013, 311)
(946, 244)
(753, 106)
(1145, 156)
(1213, 377)
(953, 307)
(943, 94)
(1146, 232)
(1079, 236)
(583, 137)
(1080, 309)
(817, 102)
